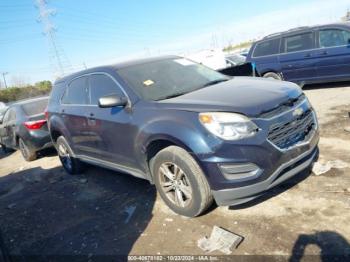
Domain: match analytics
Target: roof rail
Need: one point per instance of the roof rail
(298, 28)
(287, 31)
(272, 35)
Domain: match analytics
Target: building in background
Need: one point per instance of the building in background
(346, 18)
(213, 58)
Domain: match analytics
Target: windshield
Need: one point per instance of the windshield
(168, 78)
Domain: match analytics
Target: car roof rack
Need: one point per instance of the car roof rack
(287, 31)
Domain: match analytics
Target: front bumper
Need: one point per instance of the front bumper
(274, 164)
(236, 196)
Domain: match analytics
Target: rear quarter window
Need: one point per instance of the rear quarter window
(268, 47)
(57, 92)
(35, 107)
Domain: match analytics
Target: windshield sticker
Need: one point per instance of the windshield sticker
(148, 82)
(184, 62)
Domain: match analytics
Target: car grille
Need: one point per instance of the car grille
(285, 135)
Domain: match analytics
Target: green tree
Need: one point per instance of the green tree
(11, 94)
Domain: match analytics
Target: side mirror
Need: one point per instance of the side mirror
(112, 101)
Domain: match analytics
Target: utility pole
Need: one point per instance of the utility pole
(45, 14)
(3, 76)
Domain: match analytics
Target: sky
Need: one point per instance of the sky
(89, 33)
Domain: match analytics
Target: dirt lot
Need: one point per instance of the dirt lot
(44, 211)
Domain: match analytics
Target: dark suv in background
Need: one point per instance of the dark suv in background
(305, 55)
(195, 133)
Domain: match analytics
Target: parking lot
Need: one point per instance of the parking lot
(45, 211)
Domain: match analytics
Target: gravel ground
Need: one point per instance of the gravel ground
(45, 212)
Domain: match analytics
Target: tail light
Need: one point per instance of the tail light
(34, 125)
(46, 113)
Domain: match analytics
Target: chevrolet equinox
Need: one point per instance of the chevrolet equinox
(196, 134)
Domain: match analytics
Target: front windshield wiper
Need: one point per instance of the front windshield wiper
(214, 82)
(188, 91)
(172, 95)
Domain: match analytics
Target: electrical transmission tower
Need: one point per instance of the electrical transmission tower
(58, 59)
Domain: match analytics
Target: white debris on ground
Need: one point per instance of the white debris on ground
(220, 239)
(320, 168)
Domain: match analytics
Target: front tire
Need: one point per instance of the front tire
(27, 153)
(71, 164)
(272, 75)
(180, 182)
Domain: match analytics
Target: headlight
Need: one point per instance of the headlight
(228, 126)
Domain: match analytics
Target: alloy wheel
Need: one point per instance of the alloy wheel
(175, 184)
(65, 156)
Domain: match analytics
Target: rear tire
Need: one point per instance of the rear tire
(272, 75)
(27, 153)
(180, 182)
(71, 164)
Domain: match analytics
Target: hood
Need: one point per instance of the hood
(245, 95)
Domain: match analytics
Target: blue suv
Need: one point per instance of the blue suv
(197, 134)
(305, 55)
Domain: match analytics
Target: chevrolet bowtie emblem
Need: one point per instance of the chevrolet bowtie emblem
(298, 112)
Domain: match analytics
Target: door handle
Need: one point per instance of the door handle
(324, 53)
(91, 116)
(63, 112)
(307, 55)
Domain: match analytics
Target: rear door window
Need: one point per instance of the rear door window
(269, 47)
(299, 42)
(102, 85)
(35, 107)
(76, 92)
(334, 37)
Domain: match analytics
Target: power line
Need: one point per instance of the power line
(58, 58)
(123, 18)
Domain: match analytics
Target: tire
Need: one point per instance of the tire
(188, 193)
(272, 75)
(27, 153)
(71, 164)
